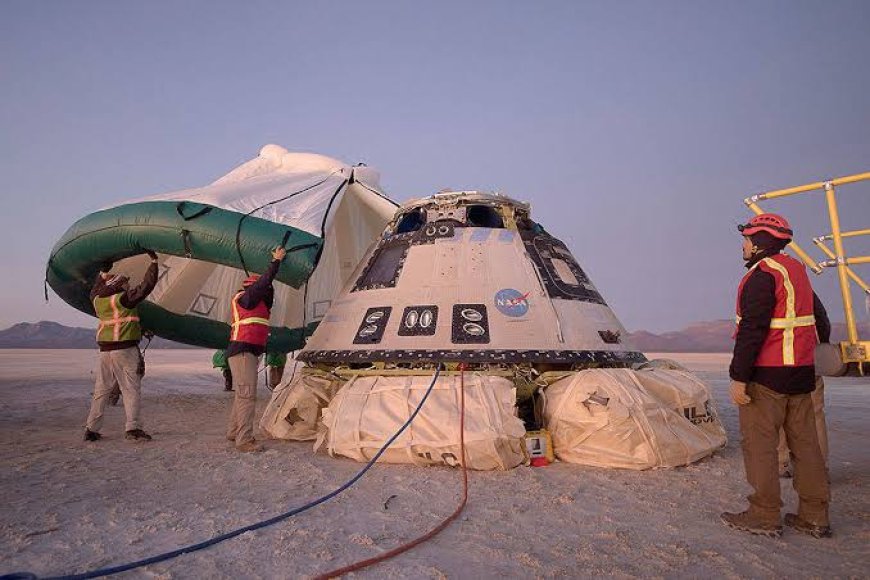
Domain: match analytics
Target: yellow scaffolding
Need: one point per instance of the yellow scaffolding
(852, 350)
(820, 242)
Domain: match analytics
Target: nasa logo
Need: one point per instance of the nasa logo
(511, 302)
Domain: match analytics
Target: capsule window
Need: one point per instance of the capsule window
(564, 272)
(483, 216)
(384, 269)
(411, 222)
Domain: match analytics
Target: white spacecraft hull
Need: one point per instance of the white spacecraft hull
(453, 292)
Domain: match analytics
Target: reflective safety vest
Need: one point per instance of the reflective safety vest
(251, 326)
(117, 323)
(792, 338)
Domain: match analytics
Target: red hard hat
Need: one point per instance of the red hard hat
(774, 224)
(250, 280)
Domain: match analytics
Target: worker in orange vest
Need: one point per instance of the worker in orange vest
(251, 308)
(779, 319)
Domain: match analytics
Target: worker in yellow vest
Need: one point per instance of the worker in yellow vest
(118, 336)
(251, 308)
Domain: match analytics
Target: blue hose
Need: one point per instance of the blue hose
(217, 539)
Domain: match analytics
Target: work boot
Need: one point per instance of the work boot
(137, 435)
(746, 522)
(92, 435)
(250, 447)
(803, 526)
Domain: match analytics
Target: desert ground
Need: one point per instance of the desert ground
(70, 506)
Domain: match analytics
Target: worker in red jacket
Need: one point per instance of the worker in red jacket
(779, 321)
(251, 308)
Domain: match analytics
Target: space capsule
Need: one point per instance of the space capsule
(467, 276)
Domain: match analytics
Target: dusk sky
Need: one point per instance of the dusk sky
(635, 129)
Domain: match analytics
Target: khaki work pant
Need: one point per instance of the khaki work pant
(760, 422)
(818, 398)
(117, 366)
(244, 369)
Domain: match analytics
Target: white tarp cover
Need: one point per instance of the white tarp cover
(368, 410)
(294, 189)
(632, 419)
(294, 411)
(268, 181)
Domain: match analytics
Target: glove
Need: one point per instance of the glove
(279, 253)
(738, 393)
(151, 254)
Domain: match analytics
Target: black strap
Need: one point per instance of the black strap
(273, 202)
(286, 237)
(302, 247)
(45, 280)
(323, 223)
(180, 209)
(185, 237)
(371, 189)
(148, 336)
(329, 207)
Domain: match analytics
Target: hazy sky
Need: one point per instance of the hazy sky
(634, 128)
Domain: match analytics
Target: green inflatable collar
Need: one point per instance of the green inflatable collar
(193, 230)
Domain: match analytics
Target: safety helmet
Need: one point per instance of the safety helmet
(250, 280)
(774, 224)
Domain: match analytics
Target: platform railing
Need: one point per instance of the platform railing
(853, 350)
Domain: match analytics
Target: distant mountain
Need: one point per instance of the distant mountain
(711, 336)
(47, 334)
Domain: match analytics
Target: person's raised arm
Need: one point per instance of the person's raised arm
(254, 293)
(134, 296)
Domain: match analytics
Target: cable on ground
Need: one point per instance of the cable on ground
(232, 534)
(428, 536)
